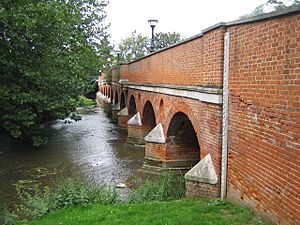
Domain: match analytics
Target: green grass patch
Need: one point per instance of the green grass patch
(177, 212)
(158, 201)
(37, 202)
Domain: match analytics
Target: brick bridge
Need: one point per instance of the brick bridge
(172, 100)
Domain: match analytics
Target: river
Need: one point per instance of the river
(92, 149)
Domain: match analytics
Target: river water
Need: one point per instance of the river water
(92, 149)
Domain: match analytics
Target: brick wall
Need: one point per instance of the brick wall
(264, 107)
(264, 117)
(197, 189)
(205, 118)
(197, 62)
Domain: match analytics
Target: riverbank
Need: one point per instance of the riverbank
(92, 150)
(158, 201)
(181, 212)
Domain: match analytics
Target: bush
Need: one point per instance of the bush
(69, 193)
(169, 187)
(37, 202)
(84, 101)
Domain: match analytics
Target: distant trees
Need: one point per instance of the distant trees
(133, 47)
(270, 6)
(49, 52)
(138, 45)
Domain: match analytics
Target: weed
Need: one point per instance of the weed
(171, 186)
(69, 193)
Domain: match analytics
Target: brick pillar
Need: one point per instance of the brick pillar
(136, 132)
(123, 117)
(155, 150)
(202, 180)
(114, 112)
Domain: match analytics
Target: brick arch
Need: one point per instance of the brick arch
(111, 94)
(183, 143)
(116, 96)
(132, 105)
(146, 97)
(181, 106)
(149, 111)
(108, 91)
(123, 99)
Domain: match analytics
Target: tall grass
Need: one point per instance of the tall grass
(69, 193)
(72, 193)
(169, 187)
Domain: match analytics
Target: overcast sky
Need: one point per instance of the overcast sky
(187, 17)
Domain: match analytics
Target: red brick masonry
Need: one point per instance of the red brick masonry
(264, 107)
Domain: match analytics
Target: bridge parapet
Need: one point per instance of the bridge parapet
(197, 62)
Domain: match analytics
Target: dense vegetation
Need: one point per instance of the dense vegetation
(158, 201)
(35, 202)
(50, 51)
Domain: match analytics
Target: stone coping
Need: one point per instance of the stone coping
(202, 89)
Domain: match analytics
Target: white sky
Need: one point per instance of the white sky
(188, 17)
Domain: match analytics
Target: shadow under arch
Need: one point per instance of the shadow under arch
(108, 91)
(111, 95)
(149, 118)
(132, 106)
(182, 142)
(116, 97)
(123, 101)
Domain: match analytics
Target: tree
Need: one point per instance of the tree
(137, 45)
(50, 49)
(133, 47)
(162, 40)
(271, 6)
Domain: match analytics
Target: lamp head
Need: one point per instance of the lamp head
(153, 23)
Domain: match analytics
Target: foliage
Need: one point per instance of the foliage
(7, 217)
(69, 193)
(162, 40)
(133, 47)
(50, 50)
(270, 6)
(184, 211)
(137, 45)
(74, 202)
(169, 187)
(84, 101)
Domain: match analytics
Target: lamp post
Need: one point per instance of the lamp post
(118, 57)
(152, 23)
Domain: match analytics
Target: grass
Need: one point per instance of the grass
(155, 202)
(176, 212)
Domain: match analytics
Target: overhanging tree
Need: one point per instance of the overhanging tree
(50, 49)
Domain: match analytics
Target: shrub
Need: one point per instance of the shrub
(170, 186)
(69, 193)
(84, 101)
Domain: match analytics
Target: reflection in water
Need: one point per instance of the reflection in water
(91, 149)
